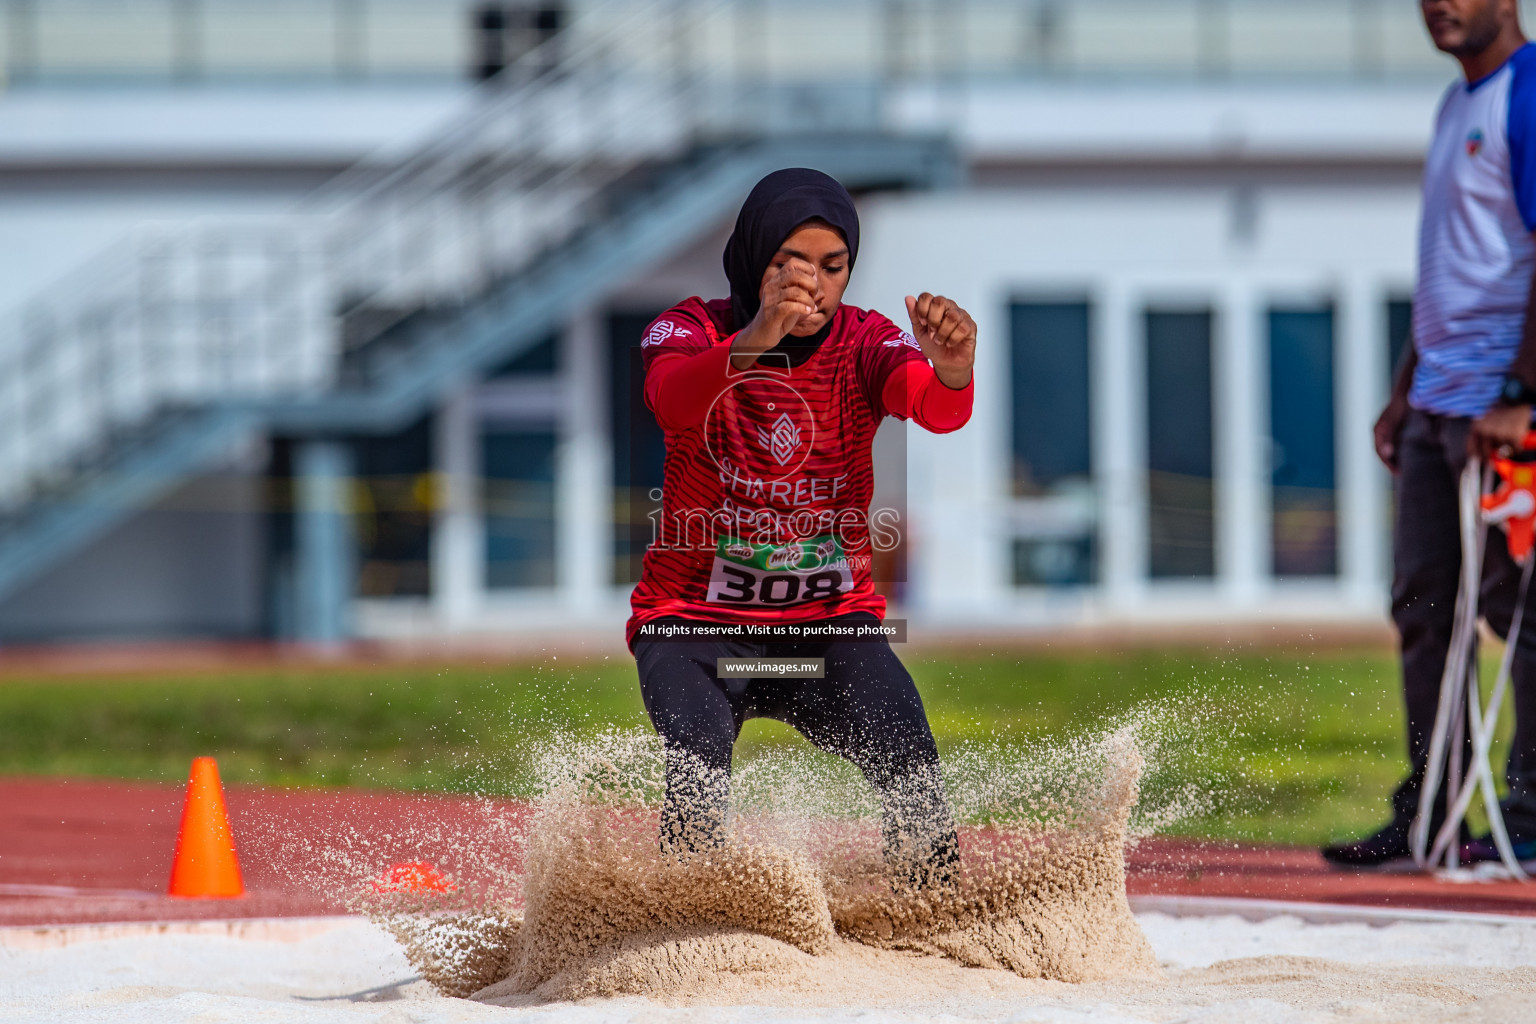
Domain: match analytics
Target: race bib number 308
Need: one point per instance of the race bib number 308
(769, 575)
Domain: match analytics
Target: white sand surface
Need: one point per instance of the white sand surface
(1212, 969)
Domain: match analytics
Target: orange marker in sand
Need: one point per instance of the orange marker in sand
(416, 876)
(205, 863)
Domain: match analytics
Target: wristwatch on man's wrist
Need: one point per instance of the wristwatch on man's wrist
(1516, 392)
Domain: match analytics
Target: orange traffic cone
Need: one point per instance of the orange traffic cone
(205, 863)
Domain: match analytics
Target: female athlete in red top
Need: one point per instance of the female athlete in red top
(770, 402)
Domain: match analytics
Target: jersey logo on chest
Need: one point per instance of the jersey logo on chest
(783, 441)
(1474, 142)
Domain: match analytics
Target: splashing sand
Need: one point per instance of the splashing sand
(798, 905)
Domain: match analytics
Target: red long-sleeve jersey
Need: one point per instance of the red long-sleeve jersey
(765, 513)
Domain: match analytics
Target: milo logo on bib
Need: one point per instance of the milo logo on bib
(778, 574)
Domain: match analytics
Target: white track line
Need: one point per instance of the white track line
(259, 929)
(1313, 913)
(74, 892)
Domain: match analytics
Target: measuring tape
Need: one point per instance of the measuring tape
(1461, 713)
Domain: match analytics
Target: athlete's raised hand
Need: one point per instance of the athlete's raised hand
(946, 334)
(789, 295)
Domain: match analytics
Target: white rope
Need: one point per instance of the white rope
(1461, 710)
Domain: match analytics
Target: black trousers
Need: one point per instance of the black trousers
(1426, 547)
(866, 709)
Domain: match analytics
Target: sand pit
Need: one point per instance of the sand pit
(573, 913)
(1220, 969)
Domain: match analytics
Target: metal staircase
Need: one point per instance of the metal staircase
(583, 164)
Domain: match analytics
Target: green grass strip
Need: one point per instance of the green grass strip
(1300, 749)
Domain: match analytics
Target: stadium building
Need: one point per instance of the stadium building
(319, 315)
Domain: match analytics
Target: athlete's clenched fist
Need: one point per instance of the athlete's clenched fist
(946, 334)
(799, 291)
(789, 296)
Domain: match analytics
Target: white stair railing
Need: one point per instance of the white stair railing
(241, 310)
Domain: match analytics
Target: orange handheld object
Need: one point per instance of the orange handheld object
(205, 863)
(1512, 504)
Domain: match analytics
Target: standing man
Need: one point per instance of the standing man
(1466, 385)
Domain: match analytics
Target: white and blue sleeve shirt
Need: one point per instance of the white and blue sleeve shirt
(1476, 253)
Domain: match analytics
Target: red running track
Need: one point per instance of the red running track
(92, 850)
(76, 850)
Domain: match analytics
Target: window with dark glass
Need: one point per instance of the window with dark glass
(1399, 332)
(1301, 414)
(639, 447)
(518, 496)
(393, 501)
(1052, 471)
(1180, 493)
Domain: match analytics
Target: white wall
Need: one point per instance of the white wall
(192, 566)
(1126, 247)
(80, 168)
(1202, 193)
(1234, 249)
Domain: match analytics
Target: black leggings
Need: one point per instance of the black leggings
(865, 709)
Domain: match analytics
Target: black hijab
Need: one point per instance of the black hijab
(775, 207)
